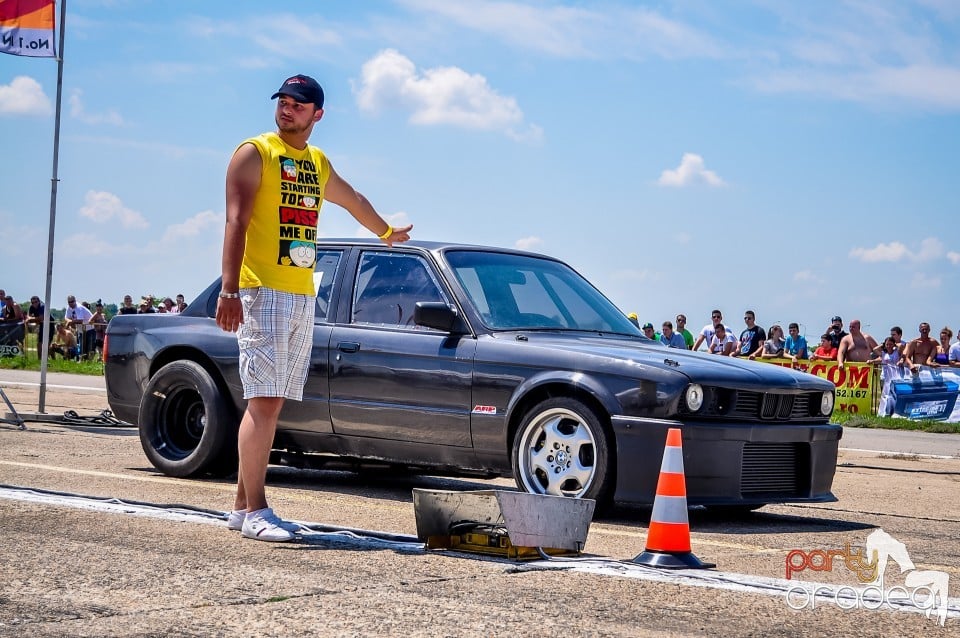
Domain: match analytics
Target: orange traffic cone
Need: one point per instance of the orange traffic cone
(668, 537)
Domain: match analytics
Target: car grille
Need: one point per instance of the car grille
(775, 468)
(760, 406)
(766, 405)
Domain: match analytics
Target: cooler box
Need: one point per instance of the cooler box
(923, 398)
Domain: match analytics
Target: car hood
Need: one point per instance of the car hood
(699, 367)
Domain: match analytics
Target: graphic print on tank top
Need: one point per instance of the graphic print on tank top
(299, 207)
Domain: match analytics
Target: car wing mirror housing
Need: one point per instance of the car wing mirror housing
(438, 315)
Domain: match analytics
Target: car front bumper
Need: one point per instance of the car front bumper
(730, 463)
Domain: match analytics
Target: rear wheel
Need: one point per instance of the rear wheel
(562, 449)
(186, 427)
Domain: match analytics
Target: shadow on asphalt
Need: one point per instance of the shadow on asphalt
(397, 485)
(110, 429)
(393, 485)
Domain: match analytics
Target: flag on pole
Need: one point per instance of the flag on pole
(27, 28)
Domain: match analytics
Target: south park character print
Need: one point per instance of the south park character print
(303, 253)
(288, 170)
(300, 197)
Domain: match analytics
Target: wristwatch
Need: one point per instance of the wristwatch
(229, 295)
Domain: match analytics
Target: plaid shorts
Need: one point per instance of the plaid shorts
(275, 341)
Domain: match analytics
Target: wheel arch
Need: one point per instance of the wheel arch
(590, 394)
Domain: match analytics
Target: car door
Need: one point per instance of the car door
(391, 379)
(313, 413)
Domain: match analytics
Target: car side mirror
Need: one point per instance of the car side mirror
(437, 315)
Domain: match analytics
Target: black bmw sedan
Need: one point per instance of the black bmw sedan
(467, 360)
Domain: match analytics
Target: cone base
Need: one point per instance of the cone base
(664, 560)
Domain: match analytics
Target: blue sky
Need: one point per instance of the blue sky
(795, 158)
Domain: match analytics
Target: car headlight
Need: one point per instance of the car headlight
(694, 397)
(826, 403)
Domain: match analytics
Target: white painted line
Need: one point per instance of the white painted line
(113, 506)
(844, 596)
(343, 536)
(890, 453)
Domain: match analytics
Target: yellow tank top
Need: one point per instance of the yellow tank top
(281, 244)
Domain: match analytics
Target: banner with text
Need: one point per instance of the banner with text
(929, 394)
(27, 28)
(857, 384)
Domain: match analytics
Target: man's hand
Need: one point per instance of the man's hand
(399, 235)
(229, 314)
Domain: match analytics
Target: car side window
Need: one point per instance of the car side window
(324, 274)
(388, 287)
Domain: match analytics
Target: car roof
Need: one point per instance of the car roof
(432, 246)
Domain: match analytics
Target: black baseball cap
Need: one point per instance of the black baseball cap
(302, 88)
(835, 319)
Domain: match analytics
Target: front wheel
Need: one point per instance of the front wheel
(185, 424)
(562, 449)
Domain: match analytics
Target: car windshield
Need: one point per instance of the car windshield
(513, 292)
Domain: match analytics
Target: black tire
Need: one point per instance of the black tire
(582, 465)
(186, 426)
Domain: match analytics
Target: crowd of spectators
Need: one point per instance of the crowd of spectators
(895, 357)
(80, 334)
(836, 344)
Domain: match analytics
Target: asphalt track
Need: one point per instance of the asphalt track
(78, 566)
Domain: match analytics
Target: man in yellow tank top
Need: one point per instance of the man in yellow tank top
(276, 183)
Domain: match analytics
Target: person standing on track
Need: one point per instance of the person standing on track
(276, 183)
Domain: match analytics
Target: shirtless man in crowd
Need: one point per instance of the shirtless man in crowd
(856, 346)
(919, 350)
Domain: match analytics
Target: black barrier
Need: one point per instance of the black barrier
(11, 339)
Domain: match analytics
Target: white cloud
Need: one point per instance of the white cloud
(438, 96)
(78, 111)
(577, 32)
(528, 243)
(29, 235)
(637, 276)
(887, 53)
(287, 35)
(400, 219)
(805, 276)
(933, 86)
(24, 96)
(161, 148)
(921, 280)
(683, 238)
(290, 36)
(954, 258)
(690, 171)
(199, 223)
(894, 251)
(92, 245)
(102, 207)
(930, 248)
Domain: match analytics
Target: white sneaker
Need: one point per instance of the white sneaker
(264, 525)
(235, 522)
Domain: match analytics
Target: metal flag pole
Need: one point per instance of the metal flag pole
(45, 348)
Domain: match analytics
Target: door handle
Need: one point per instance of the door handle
(348, 346)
